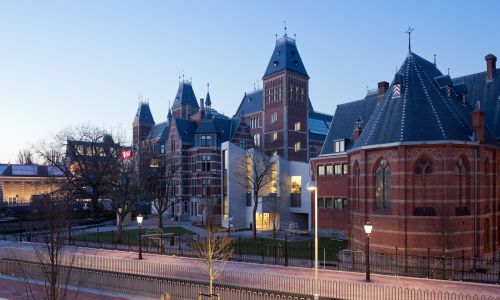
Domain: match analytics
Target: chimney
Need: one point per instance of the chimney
(491, 66)
(478, 123)
(383, 86)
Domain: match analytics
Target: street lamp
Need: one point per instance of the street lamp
(368, 230)
(139, 223)
(311, 186)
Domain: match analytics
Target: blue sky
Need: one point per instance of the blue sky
(64, 63)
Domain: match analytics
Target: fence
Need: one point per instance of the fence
(284, 253)
(282, 287)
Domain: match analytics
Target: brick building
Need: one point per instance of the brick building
(419, 159)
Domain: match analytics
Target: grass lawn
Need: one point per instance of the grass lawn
(128, 236)
(298, 249)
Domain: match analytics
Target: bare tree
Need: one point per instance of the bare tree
(128, 190)
(87, 156)
(259, 174)
(162, 181)
(25, 157)
(214, 249)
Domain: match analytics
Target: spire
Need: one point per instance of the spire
(409, 31)
(169, 116)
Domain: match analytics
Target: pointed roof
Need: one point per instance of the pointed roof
(208, 102)
(143, 114)
(185, 95)
(419, 107)
(285, 57)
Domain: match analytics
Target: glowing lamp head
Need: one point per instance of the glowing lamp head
(311, 186)
(368, 228)
(139, 219)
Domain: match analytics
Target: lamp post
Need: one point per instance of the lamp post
(139, 223)
(368, 230)
(311, 186)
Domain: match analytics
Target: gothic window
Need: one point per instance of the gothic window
(383, 185)
(461, 171)
(422, 168)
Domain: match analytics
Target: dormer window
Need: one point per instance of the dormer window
(339, 146)
(275, 63)
(206, 141)
(296, 63)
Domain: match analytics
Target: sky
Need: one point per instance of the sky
(65, 63)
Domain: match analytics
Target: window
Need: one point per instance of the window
(383, 185)
(206, 141)
(193, 163)
(193, 187)
(463, 182)
(154, 163)
(274, 136)
(337, 169)
(345, 168)
(172, 145)
(274, 117)
(329, 202)
(296, 184)
(274, 178)
(255, 122)
(338, 204)
(329, 170)
(297, 126)
(256, 139)
(243, 144)
(162, 149)
(321, 170)
(321, 202)
(205, 191)
(297, 146)
(339, 146)
(205, 163)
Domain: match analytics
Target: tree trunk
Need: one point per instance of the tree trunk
(94, 207)
(254, 216)
(119, 229)
(160, 219)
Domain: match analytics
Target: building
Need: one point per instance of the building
(419, 159)
(279, 119)
(19, 184)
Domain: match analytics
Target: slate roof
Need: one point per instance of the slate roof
(318, 125)
(208, 102)
(422, 112)
(185, 95)
(285, 57)
(159, 131)
(20, 170)
(488, 94)
(251, 103)
(344, 120)
(186, 129)
(143, 114)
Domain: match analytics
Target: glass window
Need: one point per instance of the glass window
(206, 141)
(256, 139)
(297, 126)
(344, 169)
(329, 202)
(338, 203)
(329, 169)
(297, 146)
(274, 136)
(296, 183)
(338, 169)
(383, 185)
(321, 170)
(205, 164)
(162, 148)
(339, 146)
(321, 202)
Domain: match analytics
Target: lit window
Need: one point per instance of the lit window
(256, 139)
(339, 146)
(344, 169)
(297, 126)
(162, 148)
(338, 169)
(153, 163)
(297, 146)
(274, 117)
(329, 169)
(383, 185)
(296, 184)
(274, 136)
(321, 170)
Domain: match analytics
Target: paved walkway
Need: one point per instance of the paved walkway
(15, 289)
(257, 271)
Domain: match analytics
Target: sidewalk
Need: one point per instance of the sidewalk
(289, 273)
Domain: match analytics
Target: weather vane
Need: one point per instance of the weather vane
(284, 22)
(409, 31)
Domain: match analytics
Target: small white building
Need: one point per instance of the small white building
(286, 201)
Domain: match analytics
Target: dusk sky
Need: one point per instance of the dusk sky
(65, 63)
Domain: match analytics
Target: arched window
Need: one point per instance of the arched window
(421, 170)
(383, 185)
(461, 171)
(356, 183)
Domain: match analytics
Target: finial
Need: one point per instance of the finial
(284, 22)
(434, 60)
(409, 31)
(448, 71)
(182, 76)
(208, 87)
(294, 36)
(254, 85)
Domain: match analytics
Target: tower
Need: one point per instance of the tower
(185, 103)
(286, 103)
(142, 124)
